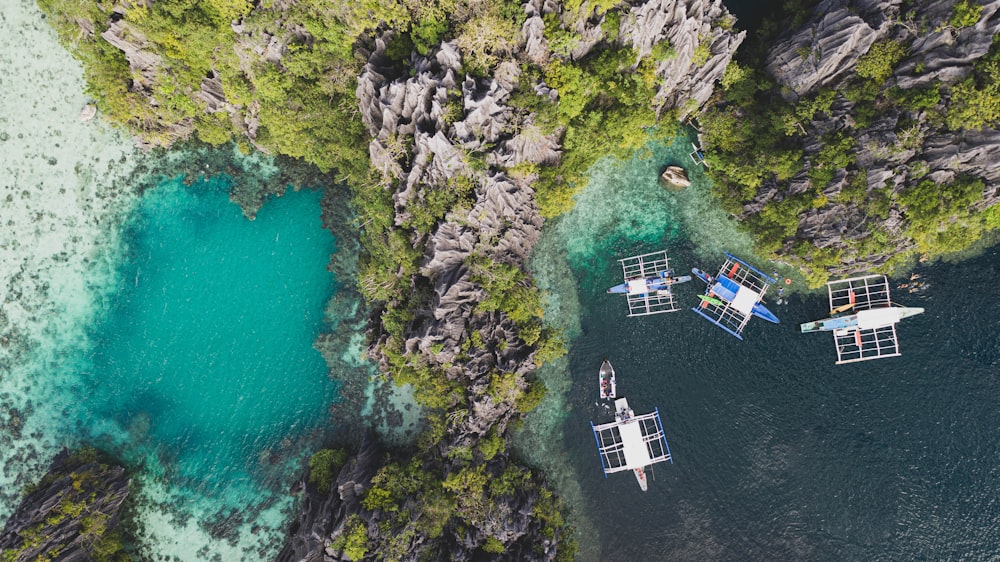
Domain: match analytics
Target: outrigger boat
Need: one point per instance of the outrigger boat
(606, 378)
(648, 280)
(870, 331)
(734, 295)
(725, 290)
(631, 442)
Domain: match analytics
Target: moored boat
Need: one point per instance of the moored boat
(625, 415)
(648, 283)
(631, 442)
(606, 380)
(869, 331)
(724, 290)
(865, 319)
(639, 286)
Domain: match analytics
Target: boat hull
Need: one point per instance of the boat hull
(830, 324)
(761, 311)
(640, 476)
(653, 284)
(853, 321)
(606, 381)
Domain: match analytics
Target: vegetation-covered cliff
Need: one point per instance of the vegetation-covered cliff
(864, 134)
(460, 126)
(72, 513)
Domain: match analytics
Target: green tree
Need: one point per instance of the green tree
(880, 60)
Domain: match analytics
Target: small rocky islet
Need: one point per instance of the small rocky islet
(432, 127)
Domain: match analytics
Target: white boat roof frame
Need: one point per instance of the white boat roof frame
(874, 340)
(870, 291)
(635, 443)
(637, 269)
(733, 316)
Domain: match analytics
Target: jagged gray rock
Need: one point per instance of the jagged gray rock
(426, 125)
(74, 505)
(829, 45)
(686, 82)
(321, 516)
(899, 147)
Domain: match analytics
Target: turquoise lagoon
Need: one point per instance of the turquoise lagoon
(203, 369)
(198, 368)
(206, 350)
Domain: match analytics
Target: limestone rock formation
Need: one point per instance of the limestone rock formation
(703, 42)
(828, 46)
(73, 508)
(424, 123)
(322, 516)
(899, 146)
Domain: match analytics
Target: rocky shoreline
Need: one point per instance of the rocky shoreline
(460, 153)
(500, 223)
(882, 78)
(72, 514)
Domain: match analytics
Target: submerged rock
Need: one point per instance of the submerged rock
(87, 113)
(674, 178)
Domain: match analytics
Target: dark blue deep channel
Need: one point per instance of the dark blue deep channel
(779, 454)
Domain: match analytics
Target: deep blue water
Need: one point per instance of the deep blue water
(203, 370)
(779, 454)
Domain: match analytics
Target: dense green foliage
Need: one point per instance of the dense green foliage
(323, 467)
(288, 74)
(880, 60)
(756, 143)
(465, 498)
(605, 107)
(975, 102)
(965, 14)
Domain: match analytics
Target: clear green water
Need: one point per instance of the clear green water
(202, 371)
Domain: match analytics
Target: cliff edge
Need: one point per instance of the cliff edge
(71, 515)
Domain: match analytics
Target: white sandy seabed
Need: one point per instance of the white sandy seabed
(64, 194)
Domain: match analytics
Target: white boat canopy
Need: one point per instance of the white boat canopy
(744, 300)
(877, 318)
(633, 443)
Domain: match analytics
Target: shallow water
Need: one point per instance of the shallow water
(778, 453)
(203, 369)
(199, 370)
(209, 341)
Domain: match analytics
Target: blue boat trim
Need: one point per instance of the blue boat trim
(719, 324)
(597, 440)
(752, 268)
